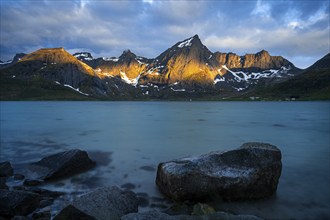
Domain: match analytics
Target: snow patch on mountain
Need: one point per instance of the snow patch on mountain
(71, 87)
(221, 79)
(127, 80)
(244, 76)
(114, 59)
(8, 62)
(186, 43)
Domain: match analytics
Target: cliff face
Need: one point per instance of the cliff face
(250, 62)
(128, 65)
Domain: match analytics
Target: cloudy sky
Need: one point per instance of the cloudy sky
(297, 30)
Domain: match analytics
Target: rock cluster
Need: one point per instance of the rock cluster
(249, 172)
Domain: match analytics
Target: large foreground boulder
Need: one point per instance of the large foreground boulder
(6, 169)
(107, 203)
(17, 202)
(249, 172)
(61, 165)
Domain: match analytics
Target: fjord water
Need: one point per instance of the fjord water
(129, 139)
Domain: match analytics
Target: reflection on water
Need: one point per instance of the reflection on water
(129, 139)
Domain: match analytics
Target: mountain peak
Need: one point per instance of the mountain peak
(263, 53)
(194, 40)
(127, 54)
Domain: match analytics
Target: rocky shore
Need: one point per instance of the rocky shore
(247, 173)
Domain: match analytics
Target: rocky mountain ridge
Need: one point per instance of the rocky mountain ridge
(186, 67)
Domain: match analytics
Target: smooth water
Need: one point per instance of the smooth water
(129, 139)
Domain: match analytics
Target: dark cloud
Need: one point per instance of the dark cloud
(298, 30)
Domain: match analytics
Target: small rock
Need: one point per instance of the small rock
(179, 209)
(128, 186)
(62, 165)
(46, 193)
(41, 215)
(18, 176)
(71, 212)
(29, 182)
(20, 218)
(202, 209)
(107, 203)
(16, 202)
(3, 183)
(45, 202)
(143, 201)
(149, 215)
(6, 169)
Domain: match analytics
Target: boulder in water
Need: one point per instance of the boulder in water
(61, 165)
(249, 172)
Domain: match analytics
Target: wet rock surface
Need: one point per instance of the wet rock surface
(61, 165)
(249, 172)
(6, 169)
(107, 203)
(71, 212)
(17, 202)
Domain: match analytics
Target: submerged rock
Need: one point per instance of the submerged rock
(17, 202)
(71, 212)
(249, 172)
(107, 203)
(6, 169)
(61, 165)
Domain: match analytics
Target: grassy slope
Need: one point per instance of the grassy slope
(311, 85)
(36, 89)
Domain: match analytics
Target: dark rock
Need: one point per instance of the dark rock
(6, 169)
(46, 202)
(107, 203)
(128, 186)
(46, 193)
(3, 183)
(41, 215)
(18, 176)
(249, 172)
(220, 215)
(202, 209)
(143, 201)
(179, 209)
(16, 202)
(149, 215)
(20, 218)
(29, 182)
(62, 165)
(71, 212)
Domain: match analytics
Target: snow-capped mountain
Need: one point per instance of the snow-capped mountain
(186, 67)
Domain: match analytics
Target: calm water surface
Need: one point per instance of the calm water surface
(129, 139)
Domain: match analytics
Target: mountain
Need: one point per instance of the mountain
(186, 70)
(15, 59)
(311, 84)
(323, 63)
(186, 61)
(54, 68)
